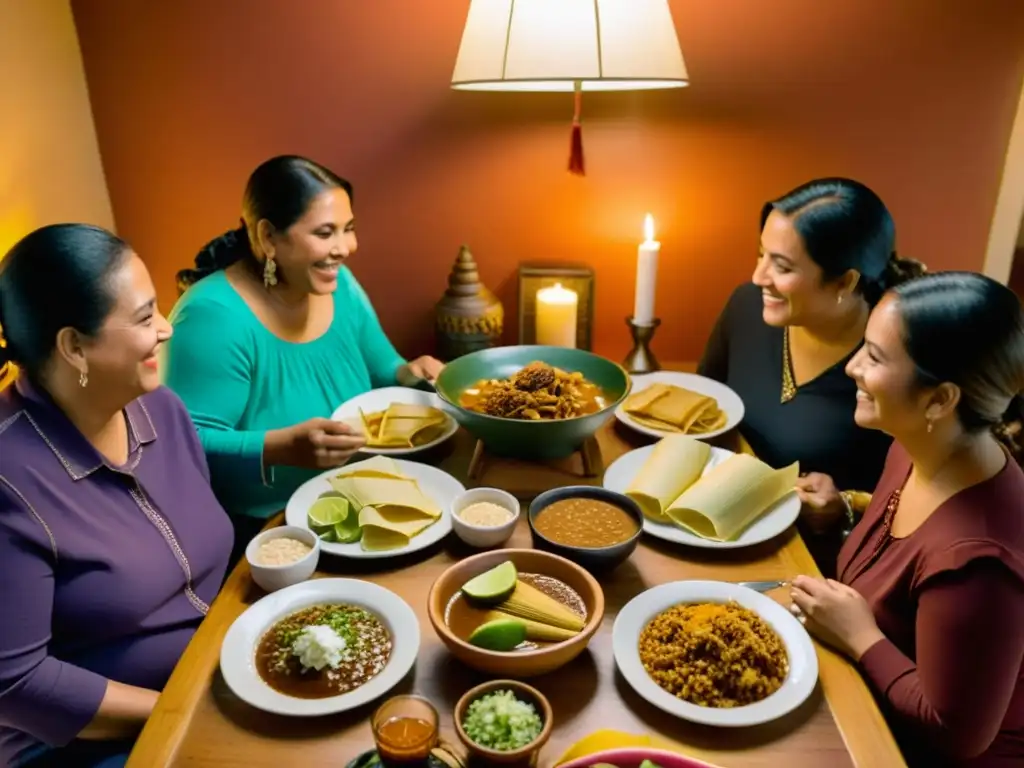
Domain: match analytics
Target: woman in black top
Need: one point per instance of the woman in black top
(783, 341)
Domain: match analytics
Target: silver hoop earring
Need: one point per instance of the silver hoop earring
(269, 272)
(83, 379)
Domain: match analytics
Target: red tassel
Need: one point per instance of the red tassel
(576, 139)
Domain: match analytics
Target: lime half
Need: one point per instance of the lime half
(326, 513)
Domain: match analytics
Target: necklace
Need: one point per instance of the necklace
(892, 505)
(788, 383)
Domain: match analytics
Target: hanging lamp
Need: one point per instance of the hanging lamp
(569, 46)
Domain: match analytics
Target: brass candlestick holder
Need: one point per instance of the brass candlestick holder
(640, 359)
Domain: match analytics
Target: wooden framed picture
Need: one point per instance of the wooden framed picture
(578, 279)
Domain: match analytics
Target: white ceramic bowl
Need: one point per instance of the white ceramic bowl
(274, 577)
(483, 536)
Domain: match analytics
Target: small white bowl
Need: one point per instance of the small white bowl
(483, 536)
(274, 577)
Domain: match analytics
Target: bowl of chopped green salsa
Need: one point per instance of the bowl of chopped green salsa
(503, 721)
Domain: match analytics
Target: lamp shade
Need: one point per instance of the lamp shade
(566, 45)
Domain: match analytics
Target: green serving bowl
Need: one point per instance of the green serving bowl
(518, 438)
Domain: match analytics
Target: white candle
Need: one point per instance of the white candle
(646, 274)
(556, 316)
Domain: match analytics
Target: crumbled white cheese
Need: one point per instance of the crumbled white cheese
(318, 647)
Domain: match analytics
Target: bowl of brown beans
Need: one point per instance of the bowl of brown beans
(594, 527)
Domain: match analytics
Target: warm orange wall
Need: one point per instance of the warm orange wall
(914, 97)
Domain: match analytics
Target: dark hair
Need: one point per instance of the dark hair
(56, 277)
(844, 225)
(968, 329)
(280, 191)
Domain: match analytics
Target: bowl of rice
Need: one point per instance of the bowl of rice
(503, 721)
(282, 556)
(485, 517)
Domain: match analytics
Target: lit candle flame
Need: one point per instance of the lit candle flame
(649, 228)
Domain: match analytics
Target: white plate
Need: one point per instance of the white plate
(776, 519)
(438, 485)
(638, 612)
(380, 399)
(727, 399)
(238, 651)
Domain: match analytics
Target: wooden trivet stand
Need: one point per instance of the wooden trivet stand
(551, 473)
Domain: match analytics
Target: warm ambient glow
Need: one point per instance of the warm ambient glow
(649, 228)
(550, 45)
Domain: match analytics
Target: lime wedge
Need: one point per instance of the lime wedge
(499, 635)
(327, 512)
(494, 585)
(348, 530)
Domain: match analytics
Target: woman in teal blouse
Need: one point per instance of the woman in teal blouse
(273, 332)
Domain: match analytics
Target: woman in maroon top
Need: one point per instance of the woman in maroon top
(930, 600)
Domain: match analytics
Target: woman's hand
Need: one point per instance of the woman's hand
(823, 508)
(836, 614)
(422, 368)
(315, 444)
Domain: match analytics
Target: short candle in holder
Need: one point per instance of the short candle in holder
(556, 316)
(646, 274)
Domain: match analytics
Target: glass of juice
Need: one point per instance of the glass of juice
(405, 729)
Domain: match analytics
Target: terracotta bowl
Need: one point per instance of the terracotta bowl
(516, 663)
(523, 692)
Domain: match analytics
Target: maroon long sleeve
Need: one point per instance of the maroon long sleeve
(953, 696)
(949, 598)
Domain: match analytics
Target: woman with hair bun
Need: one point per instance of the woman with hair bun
(272, 334)
(930, 596)
(783, 340)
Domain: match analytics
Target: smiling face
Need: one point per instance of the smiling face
(888, 398)
(310, 252)
(792, 284)
(121, 359)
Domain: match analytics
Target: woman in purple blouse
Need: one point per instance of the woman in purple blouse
(112, 545)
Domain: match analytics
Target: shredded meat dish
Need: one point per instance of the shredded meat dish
(536, 391)
(713, 655)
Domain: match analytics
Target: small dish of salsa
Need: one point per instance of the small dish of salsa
(594, 527)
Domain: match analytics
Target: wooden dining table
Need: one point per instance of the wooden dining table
(199, 722)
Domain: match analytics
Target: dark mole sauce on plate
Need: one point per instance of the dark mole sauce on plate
(462, 617)
(368, 648)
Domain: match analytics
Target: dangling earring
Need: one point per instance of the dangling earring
(839, 299)
(83, 379)
(929, 426)
(269, 272)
